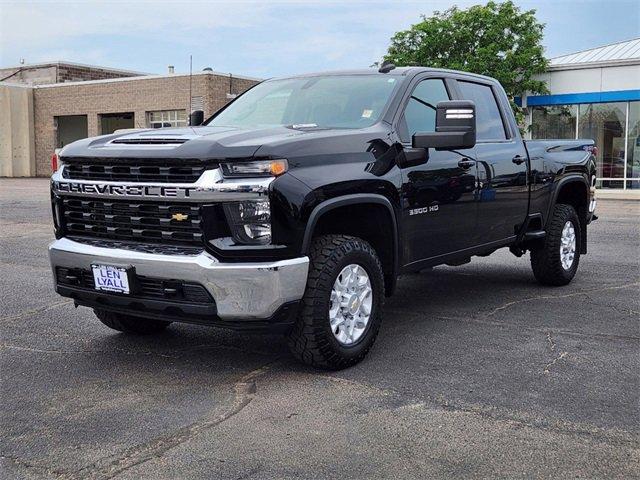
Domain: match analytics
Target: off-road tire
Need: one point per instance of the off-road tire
(545, 257)
(311, 339)
(129, 323)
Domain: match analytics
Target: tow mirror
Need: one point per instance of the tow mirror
(455, 127)
(196, 118)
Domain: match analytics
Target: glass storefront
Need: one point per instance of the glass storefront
(633, 146)
(605, 124)
(554, 122)
(615, 128)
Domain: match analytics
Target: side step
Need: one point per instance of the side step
(535, 235)
(457, 263)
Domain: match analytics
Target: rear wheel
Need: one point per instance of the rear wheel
(341, 310)
(555, 260)
(129, 323)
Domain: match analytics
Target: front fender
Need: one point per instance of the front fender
(353, 199)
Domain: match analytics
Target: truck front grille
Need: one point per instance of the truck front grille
(148, 222)
(135, 170)
(143, 287)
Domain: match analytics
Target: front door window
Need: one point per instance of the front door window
(420, 112)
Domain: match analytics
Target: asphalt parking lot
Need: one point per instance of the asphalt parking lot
(478, 372)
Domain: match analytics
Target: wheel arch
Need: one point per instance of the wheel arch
(334, 216)
(573, 190)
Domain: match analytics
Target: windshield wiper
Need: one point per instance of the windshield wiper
(303, 126)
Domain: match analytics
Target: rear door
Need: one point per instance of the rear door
(503, 194)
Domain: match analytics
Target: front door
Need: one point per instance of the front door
(439, 207)
(503, 196)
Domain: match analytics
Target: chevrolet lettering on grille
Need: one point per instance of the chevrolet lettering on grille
(153, 191)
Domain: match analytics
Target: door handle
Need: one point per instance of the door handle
(466, 163)
(518, 160)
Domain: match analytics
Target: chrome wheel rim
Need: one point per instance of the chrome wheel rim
(351, 301)
(567, 245)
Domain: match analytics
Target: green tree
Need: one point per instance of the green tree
(497, 39)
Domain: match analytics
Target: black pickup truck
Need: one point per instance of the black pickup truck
(296, 207)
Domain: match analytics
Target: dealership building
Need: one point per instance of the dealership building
(47, 106)
(595, 94)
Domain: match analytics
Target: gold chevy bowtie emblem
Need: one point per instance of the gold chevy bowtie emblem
(179, 217)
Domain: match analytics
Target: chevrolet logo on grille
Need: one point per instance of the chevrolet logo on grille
(179, 217)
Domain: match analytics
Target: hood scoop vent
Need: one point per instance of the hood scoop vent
(149, 141)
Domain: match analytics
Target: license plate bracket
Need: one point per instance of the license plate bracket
(112, 278)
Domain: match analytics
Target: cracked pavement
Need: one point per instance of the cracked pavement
(478, 372)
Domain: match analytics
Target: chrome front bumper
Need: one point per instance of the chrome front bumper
(242, 291)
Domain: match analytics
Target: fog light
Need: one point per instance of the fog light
(250, 221)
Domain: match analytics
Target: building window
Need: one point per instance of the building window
(605, 124)
(70, 128)
(167, 118)
(557, 121)
(111, 122)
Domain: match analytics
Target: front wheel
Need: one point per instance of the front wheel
(555, 261)
(341, 309)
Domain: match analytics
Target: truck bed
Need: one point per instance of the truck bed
(569, 151)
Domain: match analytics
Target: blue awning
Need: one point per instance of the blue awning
(588, 97)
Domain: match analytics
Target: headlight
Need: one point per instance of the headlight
(250, 221)
(262, 168)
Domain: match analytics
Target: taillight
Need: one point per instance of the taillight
(592, 148)
(54, 162)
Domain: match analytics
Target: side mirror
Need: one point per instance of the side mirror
(455, 127)
(196, 118)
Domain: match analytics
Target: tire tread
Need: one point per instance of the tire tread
(308, 340)
(545, 260)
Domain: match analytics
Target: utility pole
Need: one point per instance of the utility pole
(190, 80)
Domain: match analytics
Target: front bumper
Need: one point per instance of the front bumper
(243, 292)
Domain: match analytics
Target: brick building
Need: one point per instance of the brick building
(60, 72)
(37, 118)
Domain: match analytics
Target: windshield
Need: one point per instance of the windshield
(344, 101)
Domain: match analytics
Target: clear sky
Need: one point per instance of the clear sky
(264, 38)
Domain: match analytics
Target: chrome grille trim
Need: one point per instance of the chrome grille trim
(211, 186)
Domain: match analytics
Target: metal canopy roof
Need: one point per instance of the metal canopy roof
(627, 52)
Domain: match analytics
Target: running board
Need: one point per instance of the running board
(535, 235)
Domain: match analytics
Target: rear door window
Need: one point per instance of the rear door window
(489, 125)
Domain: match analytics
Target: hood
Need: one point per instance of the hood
(189, 142)
(227, 143)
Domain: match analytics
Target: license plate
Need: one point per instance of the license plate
(109, 278)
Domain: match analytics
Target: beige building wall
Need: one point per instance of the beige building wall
(17, 152)
(136, 94)
(595, 79)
